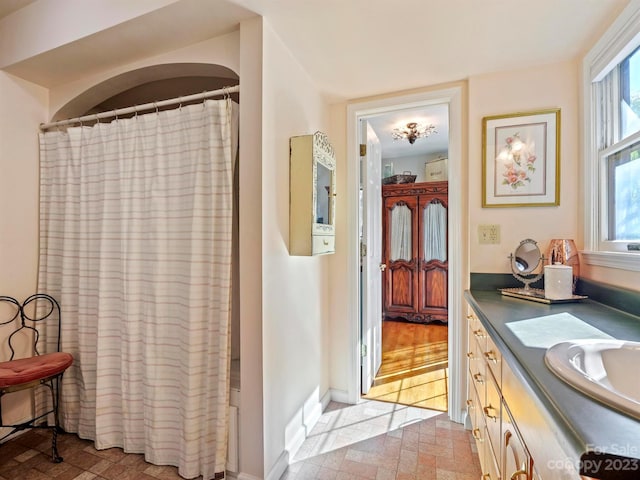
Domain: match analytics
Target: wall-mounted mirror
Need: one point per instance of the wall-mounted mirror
(324, 177)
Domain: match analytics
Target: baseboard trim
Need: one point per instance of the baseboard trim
(341, 396)
(245, 476)
(279, 468)
(324, 401)
(297, 431)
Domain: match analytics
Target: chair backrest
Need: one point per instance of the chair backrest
(31, 315)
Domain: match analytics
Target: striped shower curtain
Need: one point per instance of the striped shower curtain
(135, 243)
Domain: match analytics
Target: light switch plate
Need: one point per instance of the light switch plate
(488, 234)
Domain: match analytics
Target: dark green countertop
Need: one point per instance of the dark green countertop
(523, 330)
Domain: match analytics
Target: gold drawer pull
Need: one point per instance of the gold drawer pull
(478, 333)
(517, 474)
(490, 412)
(470, 317)
(478, 378)
(476, 434)
(486, 476)
(469, 354)
(491, 355)
(469, 403)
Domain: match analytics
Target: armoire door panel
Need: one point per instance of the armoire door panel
(415, 251)
(434, 294)
(400, 238)
(402, 295)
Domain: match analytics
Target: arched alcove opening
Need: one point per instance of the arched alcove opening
(149, 84)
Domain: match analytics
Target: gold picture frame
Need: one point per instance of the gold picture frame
(521, 159)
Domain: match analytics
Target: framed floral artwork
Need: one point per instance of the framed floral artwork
(521, 159)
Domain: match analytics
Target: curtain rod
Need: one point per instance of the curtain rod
(138, 108)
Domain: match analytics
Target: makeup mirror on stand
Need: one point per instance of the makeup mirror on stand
(527, 266)
(525, 260)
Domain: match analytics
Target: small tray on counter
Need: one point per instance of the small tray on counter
(537, 295)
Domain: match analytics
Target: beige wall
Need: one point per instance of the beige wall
(43, 25)
(524, 90)
(251, 395)
(549, 86)
(23, 107)
(295, 289)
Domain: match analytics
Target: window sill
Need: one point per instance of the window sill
(620, 260)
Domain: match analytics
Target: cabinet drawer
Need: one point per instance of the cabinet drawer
(478, 334)
(477, 369)
(323, 244)
(516, 459)
(474, 410)
(490, 470)
(492, 411)
(493, 357)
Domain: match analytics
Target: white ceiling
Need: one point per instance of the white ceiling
(352, 48)
(355, 48)
(359, 48)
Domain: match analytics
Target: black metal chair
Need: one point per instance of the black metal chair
(37, 369)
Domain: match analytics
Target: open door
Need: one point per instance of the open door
(371, 256)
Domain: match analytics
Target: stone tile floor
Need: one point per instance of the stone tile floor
(385, 441)
(27, 457)
(372, 440)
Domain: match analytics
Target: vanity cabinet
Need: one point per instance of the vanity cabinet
(414, 224)
(502, 452)
(516, 437)
(312, 187)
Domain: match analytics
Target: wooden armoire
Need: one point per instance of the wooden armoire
(414, 222)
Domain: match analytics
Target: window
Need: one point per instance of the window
(623, 194)
(630, 94)
(612, 145)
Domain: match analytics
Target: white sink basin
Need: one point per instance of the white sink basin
(603, 369)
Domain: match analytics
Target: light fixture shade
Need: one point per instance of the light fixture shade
(413, 131)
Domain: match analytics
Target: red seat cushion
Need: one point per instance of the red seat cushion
(25, 370)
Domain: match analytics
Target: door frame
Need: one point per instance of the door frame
(457, 226)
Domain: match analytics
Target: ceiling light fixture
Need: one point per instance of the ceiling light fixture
(413, 132)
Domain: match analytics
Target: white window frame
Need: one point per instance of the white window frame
(618, 42)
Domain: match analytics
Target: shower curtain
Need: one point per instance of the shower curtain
(135, 227)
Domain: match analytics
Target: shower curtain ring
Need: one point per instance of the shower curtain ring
(156, 105)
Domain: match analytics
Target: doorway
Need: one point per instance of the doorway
(404, 283)
(452, 98)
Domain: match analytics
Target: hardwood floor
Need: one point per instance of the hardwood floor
(414, 368)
